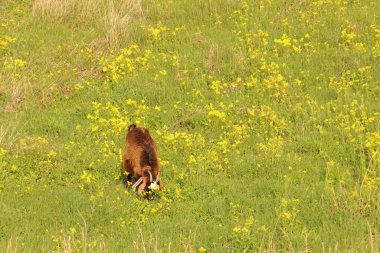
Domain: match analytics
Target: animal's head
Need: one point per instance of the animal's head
(153, 179)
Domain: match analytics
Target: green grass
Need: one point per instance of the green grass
(266, 115)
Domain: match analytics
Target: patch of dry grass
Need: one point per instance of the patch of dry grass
(17, 93)
(113, 17)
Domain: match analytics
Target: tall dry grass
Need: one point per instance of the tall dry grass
(114, 17)
(17, 91)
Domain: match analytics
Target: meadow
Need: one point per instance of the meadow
(266, 114)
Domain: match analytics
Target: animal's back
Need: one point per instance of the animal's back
(140, 150)
(138, 135)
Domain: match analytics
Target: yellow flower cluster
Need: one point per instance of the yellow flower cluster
(157, 31)
(289, 209)
(5, 41)
(373, 146)
(126, 62)
(14, 63)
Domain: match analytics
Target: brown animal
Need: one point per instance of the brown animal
(140, 158)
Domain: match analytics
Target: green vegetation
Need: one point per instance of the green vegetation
(266, 114)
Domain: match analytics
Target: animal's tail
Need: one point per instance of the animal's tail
(131, 127)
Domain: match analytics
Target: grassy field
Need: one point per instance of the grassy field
(266, 114)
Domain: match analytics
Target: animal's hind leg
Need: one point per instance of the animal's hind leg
(127, 169)
(161, 185)
(129, 178)
(127, 173)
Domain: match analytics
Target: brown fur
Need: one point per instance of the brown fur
(140, 154)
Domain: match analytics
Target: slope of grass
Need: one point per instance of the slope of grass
(266, 115)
